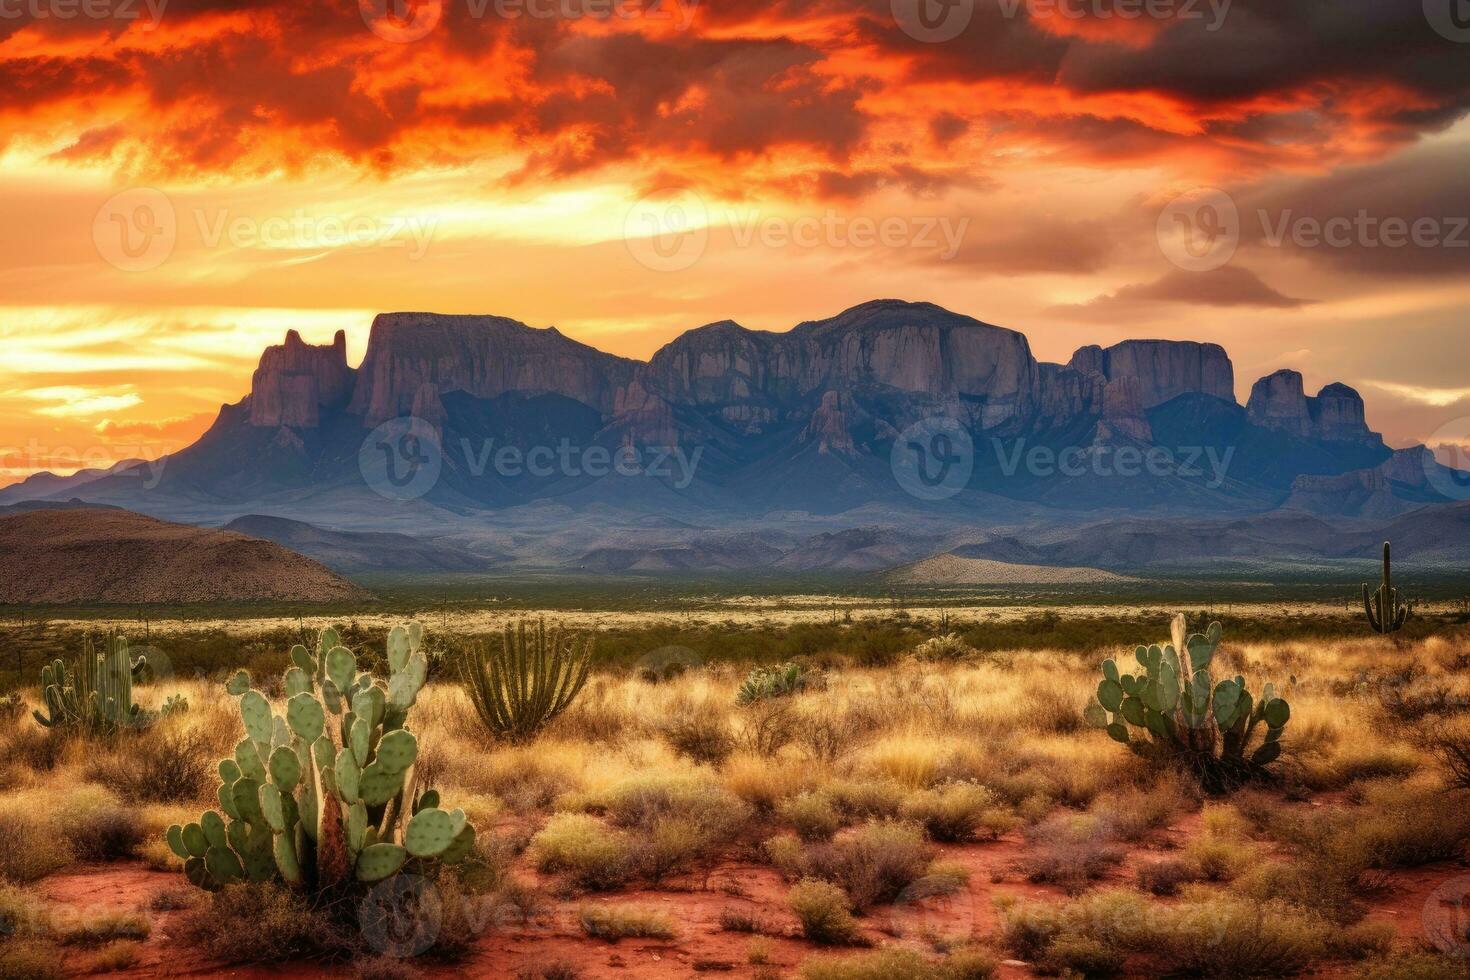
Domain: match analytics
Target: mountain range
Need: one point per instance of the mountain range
(889, 433)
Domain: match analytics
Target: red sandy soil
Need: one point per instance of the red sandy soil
(702, 947)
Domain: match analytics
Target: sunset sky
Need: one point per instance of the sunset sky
(181, 186)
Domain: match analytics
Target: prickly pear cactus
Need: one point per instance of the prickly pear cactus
(1173, 707)
(323, 793)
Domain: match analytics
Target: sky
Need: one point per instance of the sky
(185, 180)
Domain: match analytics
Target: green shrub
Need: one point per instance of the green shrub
(872, 864)
(614, 922)
(812, 815)
(824, 912)
(594, 855)
(902, 964)
(958, 812)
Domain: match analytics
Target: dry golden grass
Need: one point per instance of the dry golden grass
(848, 786)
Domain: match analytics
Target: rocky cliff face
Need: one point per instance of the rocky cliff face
(296, 380)
(484, 356)
(1122, 412)
(1335, 414)
(1165, 369)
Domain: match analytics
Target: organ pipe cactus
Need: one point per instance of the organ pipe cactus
(529, 680)
(324, 793)
(1387, 613)
(95, 696)
(1173, 708)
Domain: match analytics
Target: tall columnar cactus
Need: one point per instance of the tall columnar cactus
(1387, 613)
(1175, 709)
(325, 793)
(530, 680)
(94, 697)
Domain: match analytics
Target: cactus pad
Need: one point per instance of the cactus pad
(305, 716)
(238, 684)
(285, 768)
(256, 711)
(429, 833)
(380, 861)
(397, 751)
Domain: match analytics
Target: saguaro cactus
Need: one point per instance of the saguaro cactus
(1184, 715)
(94, 697)
(1387, 613)
(530, 680)
(326, 793)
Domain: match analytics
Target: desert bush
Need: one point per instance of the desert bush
(872, 864)
(866, 799)
(31, 747)
(767, 727)
(824, 912)
(268, 922)
(829, 735)
(104, 834)
(1207, 935)
(762, 784)
(700, 733)
(674, 820)
(1131, 812)
(29, 960)
(160, 766)
(958, 812)
(1413, 965)
(594, 855)
(902, 964)
(614, 922)
(812, 815)
(1165, 877)
(1070, 851)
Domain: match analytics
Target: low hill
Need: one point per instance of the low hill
(103, 556)
(359, 551)
(958, 570)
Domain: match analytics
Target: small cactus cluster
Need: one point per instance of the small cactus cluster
(1387, 612)
(95, 697)
(325, 794)
(777, 681)
(1173, 707)
(531, 679)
